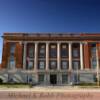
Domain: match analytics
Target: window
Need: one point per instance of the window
(76, 65)
(75, 49)
(95, 78)
(30, 64)
(75, 52)
(76, 78)
(64, 78)
(42, 51)
(41, 78)
(31, 52)
(64, 51)
(93, 50)
(11, 63)
(53, 65)
(53, 51)
(64, 64)
(41, 64)
(12, 48)
(94, 63)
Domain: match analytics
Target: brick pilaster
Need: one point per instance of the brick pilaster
(6, 52)
(86, 56)
(19, 55)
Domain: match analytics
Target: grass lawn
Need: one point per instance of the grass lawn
(22, 85)
(8, 85)
(88, 85)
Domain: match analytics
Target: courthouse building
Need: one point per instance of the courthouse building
(50, 58)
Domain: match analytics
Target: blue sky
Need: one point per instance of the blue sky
(49, 16)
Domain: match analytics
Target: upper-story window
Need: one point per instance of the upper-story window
(75, 53)
(53, 51)
(93, 49)
(31, 51)
(41, 65)
(64, 64)
(53, 64)
(42, 52)
(76, 65)
(64, 50)
(12, 48)
(75, 50)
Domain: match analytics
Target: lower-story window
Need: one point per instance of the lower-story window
(93, 63)
(41, 78)
(76, 78)
(64, 78)
(95, 78)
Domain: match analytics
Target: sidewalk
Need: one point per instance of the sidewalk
(53, 89)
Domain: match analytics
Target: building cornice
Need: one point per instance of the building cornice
(51, 36)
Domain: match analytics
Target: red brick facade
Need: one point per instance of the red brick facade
(86, 56)
(18, 54)
(19, 46)
(6, 52)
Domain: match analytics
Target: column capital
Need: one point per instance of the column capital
(20, 42)
(85, 42)
(81, 42)
(36, 42)
(25, 42)
(70, 42)
(58, 42)
(47, 42)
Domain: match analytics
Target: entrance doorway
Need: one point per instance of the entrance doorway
(53, 79)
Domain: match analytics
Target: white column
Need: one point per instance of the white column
(58, 55)
(81, 56)
(70, 55)
(24, 55)
(97, 58)
(36, 56)
(47, 56)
